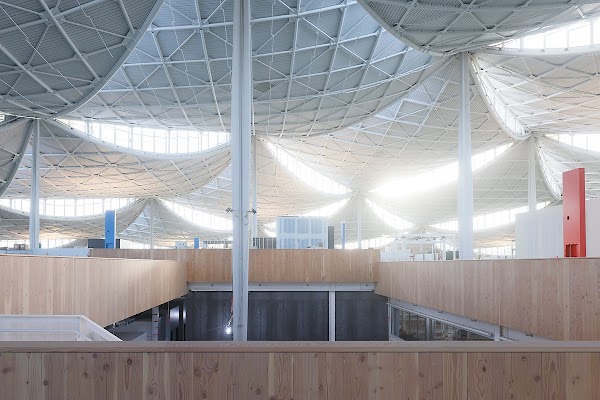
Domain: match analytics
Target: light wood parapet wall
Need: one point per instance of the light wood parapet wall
(299, 371)
(104, 290)
(293, 266)
(554, 298)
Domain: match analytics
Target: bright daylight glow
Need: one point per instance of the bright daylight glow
(69, 207)
(151, 140)
(495, 252)
(326, 211)
(437, 177)
(587, 141)
(491, 220)
(584, 33)
(204, 220)
(305, 173)
(373, 243)
(390, 219)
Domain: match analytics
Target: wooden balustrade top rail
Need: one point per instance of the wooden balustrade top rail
(538, 346)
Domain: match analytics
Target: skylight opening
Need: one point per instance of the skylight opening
(504, 113)
(587, 141)
(69, 208)
(305, 173)
(437, 177)
(578, 34)
(490, 220)
(202, 219)
(174, 141)
(390, 219)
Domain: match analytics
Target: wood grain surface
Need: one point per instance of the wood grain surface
(266, 266)
(104, 290)
(254, 372)
(553, 298)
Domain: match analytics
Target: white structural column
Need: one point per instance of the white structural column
(359, 201)
(332, 315)
(531, 179)
(465, 172)
(254, 188)
(152, 201)
(241, 105)
(34, 211)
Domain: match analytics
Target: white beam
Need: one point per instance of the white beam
(285, 287)
(531, 179)
(465, 172)
(34, 211)
(241, 103)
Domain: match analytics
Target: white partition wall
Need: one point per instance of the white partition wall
(539, 234)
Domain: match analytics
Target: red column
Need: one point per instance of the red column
(574, 213)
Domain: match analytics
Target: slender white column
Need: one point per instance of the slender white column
(332, 315)
(241, 105)
(359, 201)
(531, 179)
(254, 189)
(34, 211)
(465, 172)
(152, 223)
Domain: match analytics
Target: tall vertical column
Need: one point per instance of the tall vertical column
(343, 235)
(531, 179)
(359, 220)
(152, 223)
(241, 118)
(254, 188)
(34, 210)
(110, 229)
(465, 172)
(332, 315)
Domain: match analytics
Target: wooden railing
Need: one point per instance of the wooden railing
(554, 298)
(104, 290)
(348, 371)
(297, 266)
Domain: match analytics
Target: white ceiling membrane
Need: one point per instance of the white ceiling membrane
(55, 55)
(451, 26)
(14, 139)
(74, 164)
(316, 68)
(15, 224)
(418, 132)
(547, 93)
(500, 185)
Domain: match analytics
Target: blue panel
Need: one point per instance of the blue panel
(196, 243)
(110, 229)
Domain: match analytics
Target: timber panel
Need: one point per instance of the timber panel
(554, 298)
(303, 371)
(269, 265)
(104, 290)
